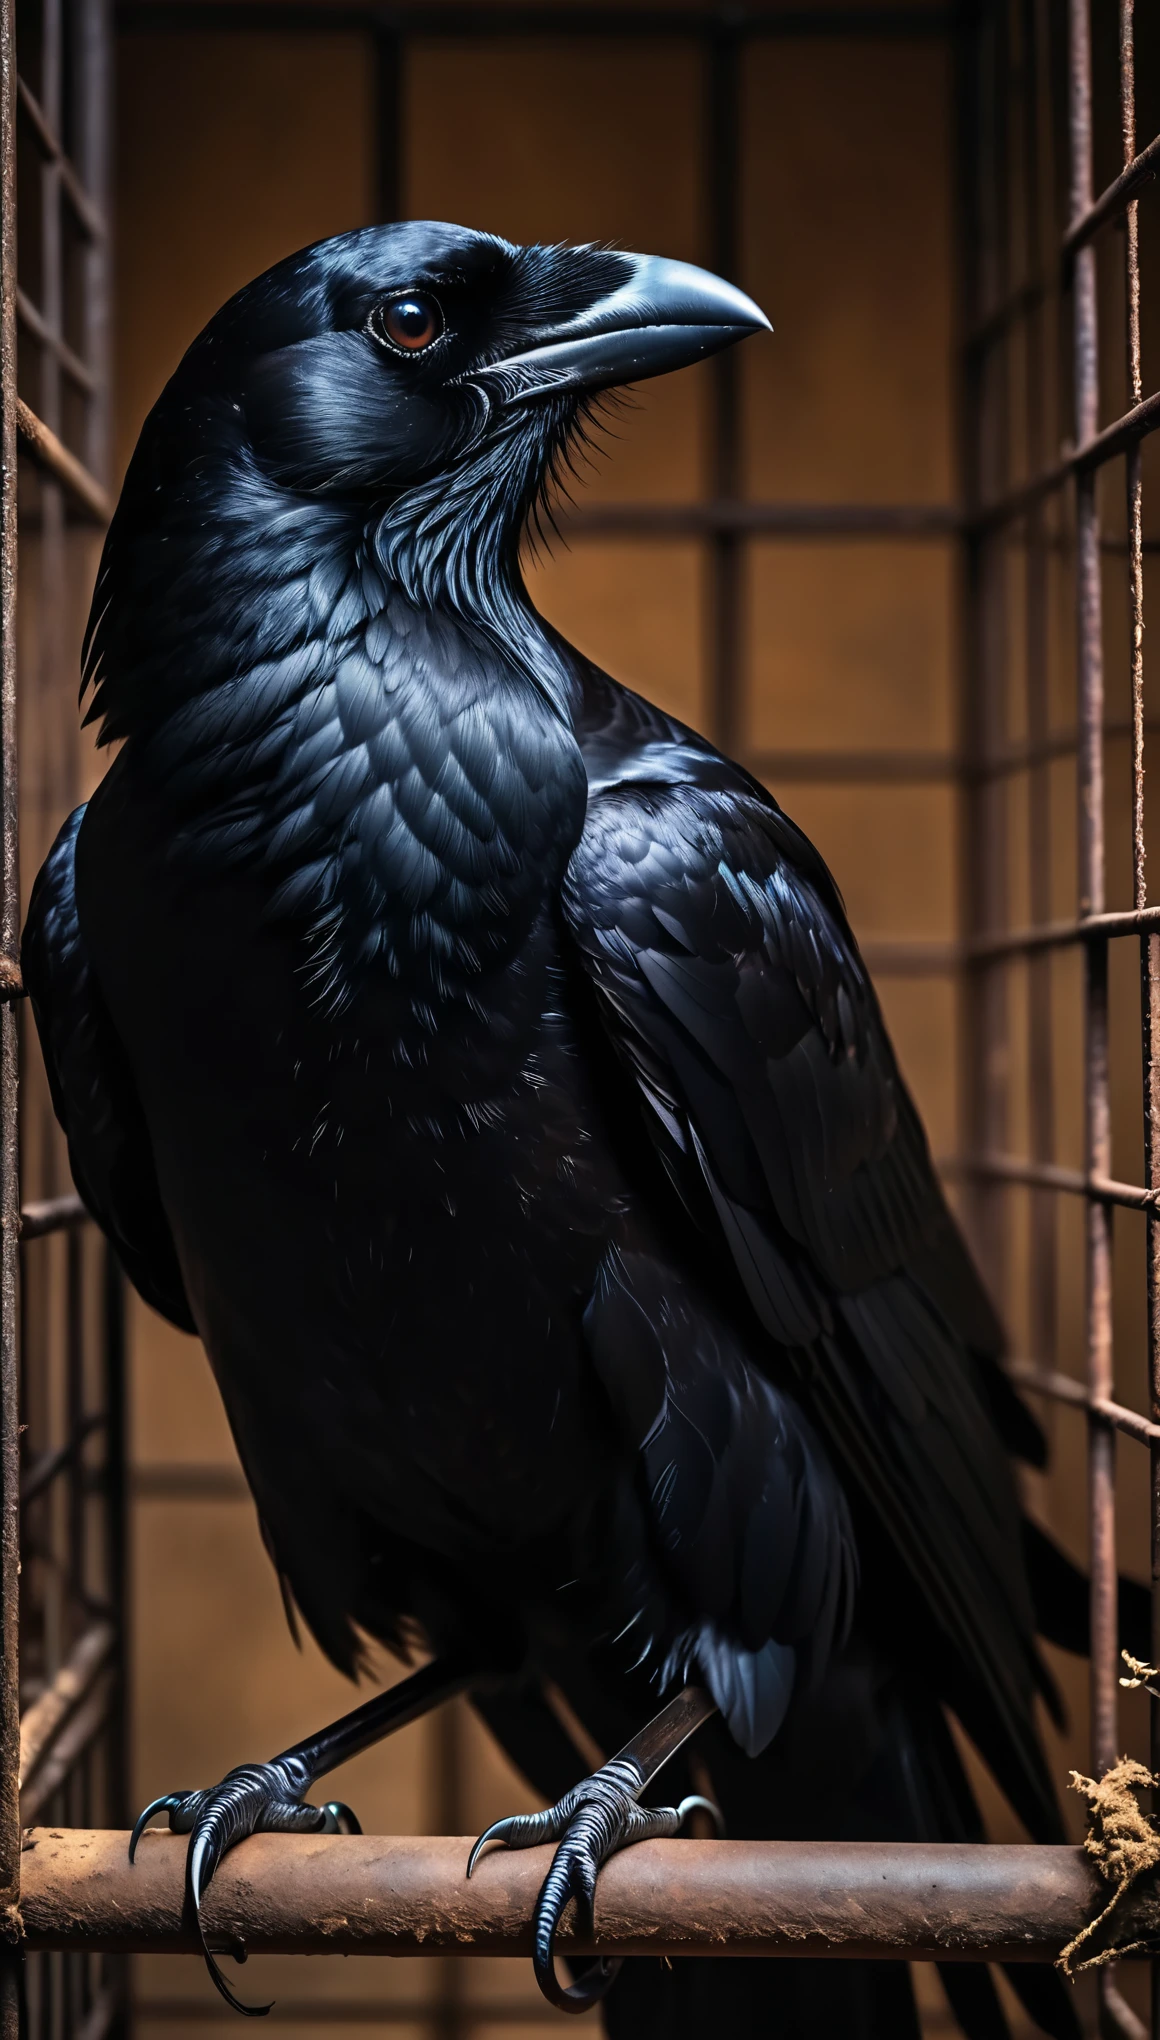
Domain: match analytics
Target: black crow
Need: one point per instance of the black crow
(485, 1068)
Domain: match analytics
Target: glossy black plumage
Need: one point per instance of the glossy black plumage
(486, 1068)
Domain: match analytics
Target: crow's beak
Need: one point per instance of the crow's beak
(665, 315)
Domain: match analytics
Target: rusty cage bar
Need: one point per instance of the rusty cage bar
(61, 1360)
(1050, 263)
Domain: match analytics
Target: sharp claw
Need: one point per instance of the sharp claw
(199, 1849)
(696, 1803)
(167, 1801)
(497, 1832)
(220, 1984)
(596, 1981)
(341, 1821)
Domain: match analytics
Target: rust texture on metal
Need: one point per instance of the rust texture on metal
(1092, 901)
(9, 947)
(1092, 451)
(79, 1731)
(1093, 927)
(42, 1723)
(1066, 1389)
(32, 319)
(365, 1894)
(69, 1356)
(1039, 747)
(1050, 1176)
(43, 1215)
(88, 216)
(1120, 194)
(52, 455)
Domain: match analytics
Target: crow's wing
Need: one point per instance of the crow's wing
(731, 986)
(92, 1088)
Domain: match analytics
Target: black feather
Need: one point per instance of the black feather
(486, 1068)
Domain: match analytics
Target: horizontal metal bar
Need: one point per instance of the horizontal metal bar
(786, 520)
(386, 1895)
(921, 957)
(484, 23)
(41, 1723)
(1026, 298)
(996, 1168)
(53, 456)
(89, 216)
(51, 1214)
(856, 768)
(71, 364)
(1116, 196)
(1016, 502)
(67, 1750)
(1025, 756)
(44, 1469)
(1060, 934)
(913, 958)
(337, 2011)
(188, 1481)
(904, 767)
(1115, 439)
(1062, 1388)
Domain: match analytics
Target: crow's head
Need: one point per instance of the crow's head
(384, 358)
(398, 394)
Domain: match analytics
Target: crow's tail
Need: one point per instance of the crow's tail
(1059, 1594)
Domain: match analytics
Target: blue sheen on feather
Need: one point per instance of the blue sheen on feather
(753, 1688)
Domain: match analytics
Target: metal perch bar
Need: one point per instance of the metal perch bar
(386, 1895)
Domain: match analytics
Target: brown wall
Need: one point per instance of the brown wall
(234, 149)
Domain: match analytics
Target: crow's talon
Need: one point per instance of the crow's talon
(590, 1823)
(253, 1799)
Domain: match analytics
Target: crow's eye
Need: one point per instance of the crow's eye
(409, 323)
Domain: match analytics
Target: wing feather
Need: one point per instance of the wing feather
(729, 981)
(92, 1088)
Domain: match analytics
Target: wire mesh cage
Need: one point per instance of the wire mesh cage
(68, 1334)
(1055, 965)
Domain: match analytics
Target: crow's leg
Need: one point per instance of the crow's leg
(269, 1798)
(590, 1823)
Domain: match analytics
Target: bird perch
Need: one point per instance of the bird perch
(385, 1895)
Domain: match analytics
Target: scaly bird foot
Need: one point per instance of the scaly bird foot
(591, 1822)
(253, 1799)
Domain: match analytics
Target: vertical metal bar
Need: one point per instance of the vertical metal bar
(9, 935)
(93, 108)
(725, 704)
(1097, 1115)
(57, 742)
(985, 463)
(1150, 946)
(388, 122)
(1040, 1059)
